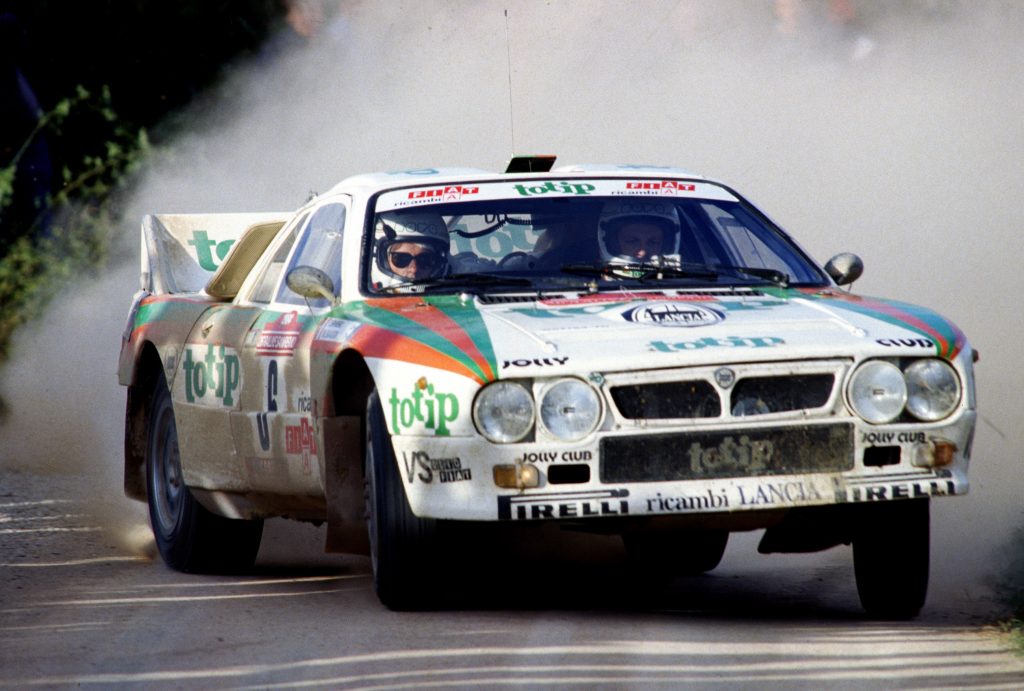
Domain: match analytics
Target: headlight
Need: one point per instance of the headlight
(878, 391)
(570, 409)
(933, 389)
(503, 412)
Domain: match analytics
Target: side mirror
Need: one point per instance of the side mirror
(310, 283)
(844, 268)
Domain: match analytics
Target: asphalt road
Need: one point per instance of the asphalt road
(85, 604)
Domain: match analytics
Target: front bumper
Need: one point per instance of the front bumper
(453, 477)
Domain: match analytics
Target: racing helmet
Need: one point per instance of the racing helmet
(392, 228)
(620, 212)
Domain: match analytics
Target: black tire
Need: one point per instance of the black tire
(188, 537)
(401, 544)
(891, 558)
(667, 554)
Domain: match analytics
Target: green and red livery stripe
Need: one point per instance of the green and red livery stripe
(948, 339)
(440, 332)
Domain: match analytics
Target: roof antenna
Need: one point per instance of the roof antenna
(508, 51)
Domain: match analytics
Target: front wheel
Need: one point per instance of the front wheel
(891, 558)
(401, 544)
(188, 537)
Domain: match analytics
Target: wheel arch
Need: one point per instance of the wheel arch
(344, 439)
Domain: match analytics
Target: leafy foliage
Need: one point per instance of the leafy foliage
(71, 235)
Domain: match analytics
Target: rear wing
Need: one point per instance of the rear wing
(182, 252)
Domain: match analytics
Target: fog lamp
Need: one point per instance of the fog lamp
(934, 453)
(518, 476)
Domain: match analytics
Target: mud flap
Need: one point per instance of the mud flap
(343, 477)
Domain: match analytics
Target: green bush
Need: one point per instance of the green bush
(71, 235)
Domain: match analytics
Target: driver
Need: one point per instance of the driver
(640, 230)
(409, 247)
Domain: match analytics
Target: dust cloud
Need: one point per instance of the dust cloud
(895, 135)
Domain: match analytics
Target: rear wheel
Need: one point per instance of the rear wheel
(401, 544)
(189, 537)
(891, 558)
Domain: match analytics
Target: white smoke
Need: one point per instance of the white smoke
(896, 136)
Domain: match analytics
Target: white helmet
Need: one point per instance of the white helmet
(620, 212)
(392, 228)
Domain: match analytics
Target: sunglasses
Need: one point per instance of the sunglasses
(424, 260)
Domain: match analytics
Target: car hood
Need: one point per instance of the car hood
(497, 337)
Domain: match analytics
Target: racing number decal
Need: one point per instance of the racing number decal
(262, 425)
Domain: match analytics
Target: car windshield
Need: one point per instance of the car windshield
(575, 235)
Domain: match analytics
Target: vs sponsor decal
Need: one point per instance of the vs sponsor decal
(419, 464)
(672, 314)
(211, 378)
(423, 406)
(612, 502)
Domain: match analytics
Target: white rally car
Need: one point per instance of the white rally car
(630, 350)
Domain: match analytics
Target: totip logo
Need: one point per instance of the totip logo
(207, 247)
(423, 407)
(672, 314)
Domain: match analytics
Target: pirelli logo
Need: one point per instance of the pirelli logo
(538, 507)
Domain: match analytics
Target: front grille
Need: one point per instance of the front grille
(668, 400)
(760, 395)
(726, 454)
(699, 399)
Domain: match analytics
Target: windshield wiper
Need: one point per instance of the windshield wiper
(777, 277)
(471, 279)
(640, 271)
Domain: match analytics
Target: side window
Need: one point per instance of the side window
(264, 289)
(320, 247)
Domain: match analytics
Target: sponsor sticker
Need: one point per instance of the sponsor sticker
(337, 330)
(207, 248)
(446, 193)
(419, 465)
(574, 188)
(279, 337)
(660, 187)
(212, 375)
(672, 314)
(727, 342)
(612, 502)
(423, 407)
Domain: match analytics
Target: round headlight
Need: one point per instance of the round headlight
(570, 409)
(503, 412)
(878, 391)
(933, 389)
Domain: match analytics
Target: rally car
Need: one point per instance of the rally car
(628, 350)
